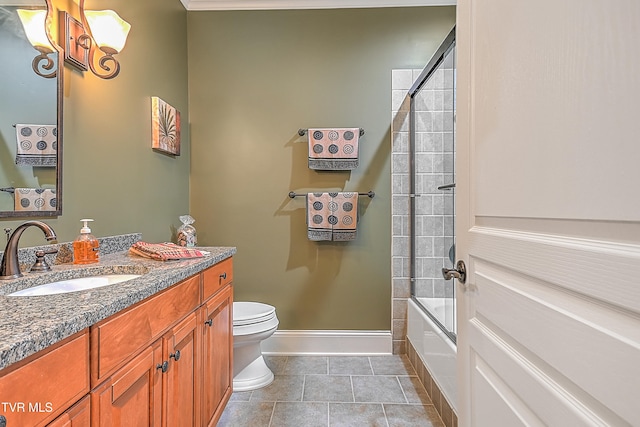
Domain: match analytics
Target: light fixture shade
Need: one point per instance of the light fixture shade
(33, 22)
(108, 29)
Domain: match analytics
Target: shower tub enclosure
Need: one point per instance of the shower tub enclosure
(423, 175)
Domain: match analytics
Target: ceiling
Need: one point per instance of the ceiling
(306, 4)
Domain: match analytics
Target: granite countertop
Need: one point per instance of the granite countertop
(30, 324)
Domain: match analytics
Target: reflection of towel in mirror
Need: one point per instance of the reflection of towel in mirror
(332, 216)
(37, 145)
(35, 199)
(333, 149)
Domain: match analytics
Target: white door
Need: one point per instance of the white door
(548, 212)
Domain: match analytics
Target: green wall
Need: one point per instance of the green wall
(255, 78)
(110, 172)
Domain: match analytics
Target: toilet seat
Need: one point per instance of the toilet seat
(251, 318)
(249, 313)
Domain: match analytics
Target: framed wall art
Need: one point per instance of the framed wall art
(165, 127)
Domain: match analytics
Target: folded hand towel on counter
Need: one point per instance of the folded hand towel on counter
(37, 145)
(333, 149)
(165, 251)
(332, 216)
(35, 199)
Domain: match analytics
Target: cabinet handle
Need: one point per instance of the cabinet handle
(175, 355)
(3, 421)
(164, 366)
(209, 322)
(223, 276)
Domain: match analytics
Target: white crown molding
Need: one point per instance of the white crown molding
(328, 343)
(306, 4)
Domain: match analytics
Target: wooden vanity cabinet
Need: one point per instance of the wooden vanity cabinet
(165, 361)
(183, 375)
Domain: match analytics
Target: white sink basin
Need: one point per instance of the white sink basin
(74, 285)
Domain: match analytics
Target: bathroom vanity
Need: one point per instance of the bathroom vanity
(153, 350)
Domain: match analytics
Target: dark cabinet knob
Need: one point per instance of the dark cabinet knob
(163, 366)
(175, 355)
(223, 276)
(209, 322)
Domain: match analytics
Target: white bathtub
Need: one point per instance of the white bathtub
(435, 348)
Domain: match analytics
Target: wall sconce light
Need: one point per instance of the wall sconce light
(35, 24)
(101, 32)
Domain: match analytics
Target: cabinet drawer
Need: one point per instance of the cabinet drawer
(216, 277)
(47, 384)
(117, 338)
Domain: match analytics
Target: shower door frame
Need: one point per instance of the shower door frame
(437, 58)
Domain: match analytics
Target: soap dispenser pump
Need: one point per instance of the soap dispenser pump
(85, 247)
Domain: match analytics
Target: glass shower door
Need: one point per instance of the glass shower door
(432, 180)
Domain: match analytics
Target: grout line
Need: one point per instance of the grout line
(328, 414)
(304, 383)
(385, 414)
(273, 411)
(402, 389)
(353, 391)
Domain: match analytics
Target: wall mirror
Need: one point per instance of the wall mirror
(30, 115)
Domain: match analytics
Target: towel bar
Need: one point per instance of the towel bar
(370, 194)
(302, 132)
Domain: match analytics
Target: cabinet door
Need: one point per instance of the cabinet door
(182, 391)
(79, 415)
(133, 395)
(217, 366)
(41, 388)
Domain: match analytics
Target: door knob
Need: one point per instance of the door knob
(460, 272)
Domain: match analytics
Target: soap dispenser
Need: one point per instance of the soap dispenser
(85, 247)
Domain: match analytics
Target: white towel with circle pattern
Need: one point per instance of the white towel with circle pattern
(333, 149)
(332, 216)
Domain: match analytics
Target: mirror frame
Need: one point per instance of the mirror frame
(59, 126)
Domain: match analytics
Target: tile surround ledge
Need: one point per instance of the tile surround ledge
(31, 324)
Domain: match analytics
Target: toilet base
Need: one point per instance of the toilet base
(253, 376)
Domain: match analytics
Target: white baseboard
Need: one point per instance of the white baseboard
(326, 343)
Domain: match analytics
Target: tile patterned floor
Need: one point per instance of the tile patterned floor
(335, 391)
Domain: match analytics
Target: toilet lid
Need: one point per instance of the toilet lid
(247, 313)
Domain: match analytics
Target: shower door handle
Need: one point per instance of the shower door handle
(460, 272)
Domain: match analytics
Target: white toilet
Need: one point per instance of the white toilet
(253, 322)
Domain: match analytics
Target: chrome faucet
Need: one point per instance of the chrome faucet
(10, 267)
